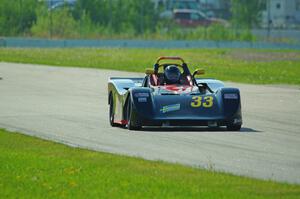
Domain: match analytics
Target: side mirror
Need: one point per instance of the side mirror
(198, 72)
(149, 71)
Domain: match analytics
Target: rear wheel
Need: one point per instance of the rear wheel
(233, 127)
(131, 125)
(111, 112)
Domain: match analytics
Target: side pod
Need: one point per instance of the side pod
(142, 101)
(231, 104)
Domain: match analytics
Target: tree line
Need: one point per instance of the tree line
(114, 19)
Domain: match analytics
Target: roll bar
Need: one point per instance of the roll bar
(169, 58)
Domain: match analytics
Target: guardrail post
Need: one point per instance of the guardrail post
(251, 44)
(217, 44)
(2, 42)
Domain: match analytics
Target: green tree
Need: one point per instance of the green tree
(63, 24)
(119, 15)
(143, 15)
(246, 13)
(16, 16)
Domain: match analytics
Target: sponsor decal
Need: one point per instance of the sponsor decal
(141, 94)
(170, 108)
(142, 99)
(231, 96)
(237, 121)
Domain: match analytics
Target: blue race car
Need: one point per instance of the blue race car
(170, 95)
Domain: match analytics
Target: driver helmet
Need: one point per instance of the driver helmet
(172, 74)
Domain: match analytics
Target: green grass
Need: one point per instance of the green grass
(34, 168)
(237, 65)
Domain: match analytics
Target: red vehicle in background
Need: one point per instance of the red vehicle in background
(194, 18)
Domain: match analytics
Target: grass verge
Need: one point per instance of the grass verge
(237, 65)
(34, 168)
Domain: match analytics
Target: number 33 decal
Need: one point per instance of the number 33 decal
(206, 103)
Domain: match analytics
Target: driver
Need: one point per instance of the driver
(172, 75)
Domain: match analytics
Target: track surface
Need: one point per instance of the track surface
(69, 105)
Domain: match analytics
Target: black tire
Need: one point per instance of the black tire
(234, 127)
(131, 125)
(111, 112)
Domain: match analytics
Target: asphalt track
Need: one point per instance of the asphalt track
(69, 105)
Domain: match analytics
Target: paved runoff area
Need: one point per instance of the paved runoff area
(69, 105)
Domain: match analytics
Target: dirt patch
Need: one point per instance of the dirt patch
(265, 56)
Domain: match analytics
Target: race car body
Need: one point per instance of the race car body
(152, 101)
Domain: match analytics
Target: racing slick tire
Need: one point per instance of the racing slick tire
(233, 127)
(111, 112)
(132, 125)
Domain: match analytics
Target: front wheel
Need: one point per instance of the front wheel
(132, 124)
(234, 127)
(111, 112)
